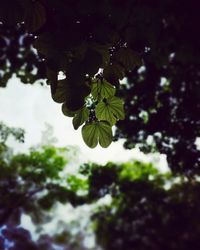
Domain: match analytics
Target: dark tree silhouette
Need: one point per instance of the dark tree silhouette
(162, 98)
(148, 210)
(154, 44)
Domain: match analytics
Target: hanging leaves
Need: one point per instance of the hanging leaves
(110, 110)
(80, 117)
(97, 132)
(102, 89)
(90, 134)
(92, 60)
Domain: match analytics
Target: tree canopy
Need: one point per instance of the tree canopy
(153, 44)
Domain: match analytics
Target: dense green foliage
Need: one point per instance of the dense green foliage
(80, 37)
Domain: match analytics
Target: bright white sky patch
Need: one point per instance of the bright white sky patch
(31, 106)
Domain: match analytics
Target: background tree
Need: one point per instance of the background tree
(162, 97)
(18, 57)
(132, 205)
(32, 184)
(147, 210)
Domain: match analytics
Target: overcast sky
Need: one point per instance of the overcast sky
(30, 107)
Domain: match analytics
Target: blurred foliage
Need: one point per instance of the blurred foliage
(18, 57)
(162, 97)
(6, 131)
(146, 209)
(130, 205)
(32, 184)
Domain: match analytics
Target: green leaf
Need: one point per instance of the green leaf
(117, 106)
(66, 111)
(102, 89)
(97, 132)
(110, 110)
(90, 134)
(80, 117)
(104, 112)
(105, 134)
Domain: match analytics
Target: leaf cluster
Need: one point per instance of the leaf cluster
(79, 52)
